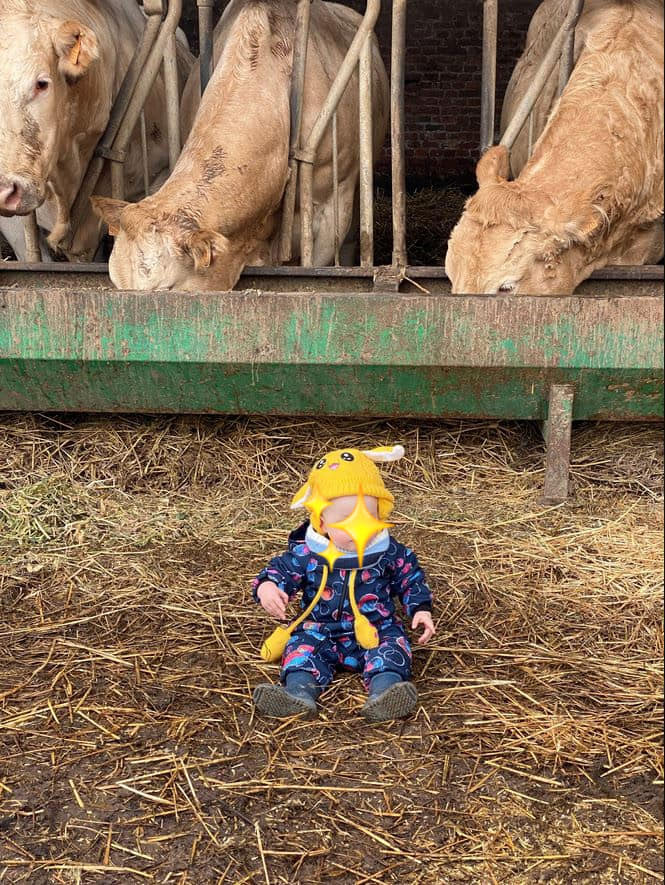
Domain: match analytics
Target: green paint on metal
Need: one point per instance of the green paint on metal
(362, 354)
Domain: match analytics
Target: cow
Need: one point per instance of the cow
(591, 195)
(61, 66)
(221, 208)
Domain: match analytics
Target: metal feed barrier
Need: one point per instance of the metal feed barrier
(365, 341)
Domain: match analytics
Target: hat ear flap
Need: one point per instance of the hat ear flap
(385, 454)
(301, 496)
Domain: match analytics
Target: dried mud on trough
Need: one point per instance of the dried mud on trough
(129, 751)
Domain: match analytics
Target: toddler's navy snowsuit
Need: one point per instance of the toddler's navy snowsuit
(326, 641)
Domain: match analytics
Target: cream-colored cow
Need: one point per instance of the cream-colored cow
(592, 193)
(61, 65)
(221, 208)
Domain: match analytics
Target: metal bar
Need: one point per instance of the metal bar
(144, 155)
(568, 55)
(307, 154)
(145, 84)
(342, 79)
(619, 274)
(303, 16)
(33, 252)
(541, 77)
(81, 204)
(398, 129)
(532, 130)
(307, 214)
(205, 41)
(558, 436)
(488, 101)
(366, 157)
(172, 98)
(335, 174)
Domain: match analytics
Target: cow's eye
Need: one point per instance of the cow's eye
(42, 85)
(506, 288)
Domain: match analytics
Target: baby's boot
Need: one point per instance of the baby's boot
(389, 698)
(299, 695)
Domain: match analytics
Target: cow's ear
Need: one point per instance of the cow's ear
(494, 166)
(203, 246)
(580, 228)
(109, 211)
(76, 47)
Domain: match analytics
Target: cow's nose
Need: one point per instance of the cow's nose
(11, 195)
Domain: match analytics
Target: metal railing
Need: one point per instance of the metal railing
(562, 49)
(157, 47)
(302, 156)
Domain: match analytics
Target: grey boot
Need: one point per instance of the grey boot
(280, 702)
(394, 702)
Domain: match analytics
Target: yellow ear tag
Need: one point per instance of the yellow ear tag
(75, 51)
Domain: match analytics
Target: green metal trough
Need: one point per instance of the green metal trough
(335, 347)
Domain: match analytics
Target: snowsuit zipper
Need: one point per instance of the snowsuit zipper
(345, 590)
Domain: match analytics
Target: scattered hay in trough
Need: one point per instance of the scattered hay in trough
(129, 751)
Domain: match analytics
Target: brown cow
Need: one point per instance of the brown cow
(61, 65)
(221, 208)
(592, 193)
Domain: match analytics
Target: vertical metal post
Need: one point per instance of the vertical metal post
(297, 100)
(205, 41)
(398, 129)
(307, 154)
(335, 171)
(568, 54)
(144, 155)
(488, 101)
(172, 95)
(366, 157)
(558, 435)
(307, 214)
(33, 252)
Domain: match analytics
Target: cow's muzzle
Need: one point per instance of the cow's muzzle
(18, 197)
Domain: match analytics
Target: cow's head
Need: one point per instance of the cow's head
(43, 62)
(154, 251)
(515, 240)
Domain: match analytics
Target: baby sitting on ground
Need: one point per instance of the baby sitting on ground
(349, 570)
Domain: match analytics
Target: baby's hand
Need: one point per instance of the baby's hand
(273, 600)
(424, 619)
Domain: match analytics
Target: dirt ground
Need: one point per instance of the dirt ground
(129, 749)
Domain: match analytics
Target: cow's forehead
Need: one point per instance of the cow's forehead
(22, 34)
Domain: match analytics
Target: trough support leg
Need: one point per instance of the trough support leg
(558, 434)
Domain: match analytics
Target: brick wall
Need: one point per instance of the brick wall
(444, 46)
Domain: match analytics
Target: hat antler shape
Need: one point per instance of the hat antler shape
(361, 525)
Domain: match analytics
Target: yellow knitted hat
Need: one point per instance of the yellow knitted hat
(344, 472)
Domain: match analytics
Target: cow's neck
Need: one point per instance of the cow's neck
(233, 169)
(598, 155)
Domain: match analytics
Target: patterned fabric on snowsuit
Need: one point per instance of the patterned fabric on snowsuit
(326, 642)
